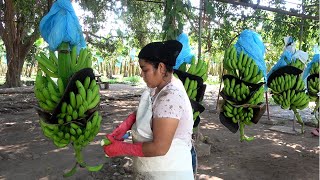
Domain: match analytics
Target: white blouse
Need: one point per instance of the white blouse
(173, 102)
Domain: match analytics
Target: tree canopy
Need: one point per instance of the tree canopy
(216, 22)
(221, 21)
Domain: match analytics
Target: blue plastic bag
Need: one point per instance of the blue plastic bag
(251, 43)
(132, 53)
(289, 55)
(119, 61)
(285, 59)
(185, 54)
(62, 25)
(315, 59)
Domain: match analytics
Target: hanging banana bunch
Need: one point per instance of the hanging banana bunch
(288, 90)
(313, 86)
(195, 70)
(298, 64)
(193, 78)
(70, 102)
(241, 66)
(67, 93)
(243, 92)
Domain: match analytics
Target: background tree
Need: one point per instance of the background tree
(19, 30)
(223, 22)
(147, 21)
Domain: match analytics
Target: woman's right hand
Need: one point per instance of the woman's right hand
(122, 129)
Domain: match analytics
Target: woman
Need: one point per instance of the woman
(162, 127)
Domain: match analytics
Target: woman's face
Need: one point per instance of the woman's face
(150, 75)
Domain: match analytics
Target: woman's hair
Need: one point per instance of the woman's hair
(155, 65)
(165, 52)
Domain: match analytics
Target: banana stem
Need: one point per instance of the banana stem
(241, 129)
(315, 111)
(79, 157)
(64, 60)
(296, 113)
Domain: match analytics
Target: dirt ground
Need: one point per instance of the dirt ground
(26, 154)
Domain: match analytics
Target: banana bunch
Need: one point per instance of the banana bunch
(288, 92)
(315, 69)
(194, 86)
(314, 86)
(241, 66)
(48, 92)
(84, 60)
(286, 82)
(77, 133)
(257, 97)
(73, 62)
(242, 71)
(239, 115)
(191, 87)
(73, 110)
(238, 92)
(195, 114)
(199, 68)
(298, 64)
(48, 65)
(87, 98)
(291, 98)
(73, 118)
(294, 100)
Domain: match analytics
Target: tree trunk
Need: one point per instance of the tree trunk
(14, 71)
(125, 72)
(130, 68)
(16, 53)
(121, 67)
(17, 42)
(31, 69)
(109, 69)
(137, 71)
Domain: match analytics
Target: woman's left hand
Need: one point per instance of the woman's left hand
(111, 149)
(119, 148)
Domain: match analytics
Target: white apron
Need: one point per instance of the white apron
(176, 164)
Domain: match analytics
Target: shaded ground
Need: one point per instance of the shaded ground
(26, 154)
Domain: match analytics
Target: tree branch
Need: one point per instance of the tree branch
(99, 37)
(257, 6)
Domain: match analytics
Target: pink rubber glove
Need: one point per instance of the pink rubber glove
(119, 148)
(124, 127)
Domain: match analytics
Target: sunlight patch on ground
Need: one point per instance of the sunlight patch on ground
(106, 128)
(28, 122)
(207, 177)
(268, 136)
(203, 167)
(101, 134)
(60, 149)
(276, 155)
(210, 126)
(45, 178)
(279, 142)
(14, 148)
(10, 123)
